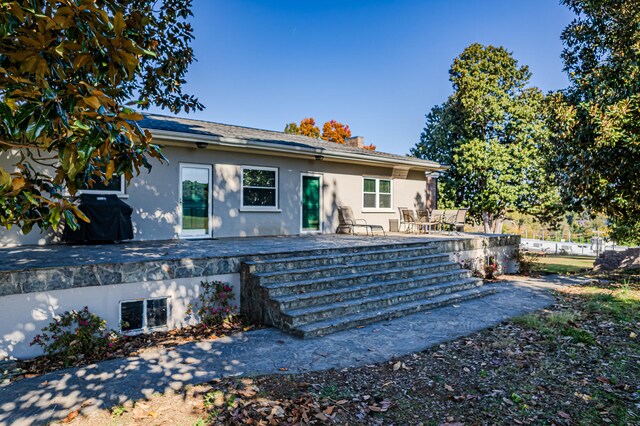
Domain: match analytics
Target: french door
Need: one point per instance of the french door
(195, 200)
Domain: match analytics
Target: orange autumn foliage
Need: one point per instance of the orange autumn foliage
(308, 128)
(335, 132)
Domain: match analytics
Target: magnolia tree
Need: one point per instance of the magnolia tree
(491, 132)
(596, 121)
(71, 74)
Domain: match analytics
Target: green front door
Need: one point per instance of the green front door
(310, 203)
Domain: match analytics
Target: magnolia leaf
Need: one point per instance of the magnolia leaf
(93, 102)
(5, 178)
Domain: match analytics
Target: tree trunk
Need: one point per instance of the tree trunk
(486, 221)
(492, 224)
(497, 225)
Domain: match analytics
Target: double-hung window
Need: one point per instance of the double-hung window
(376, 194)
(259, 188)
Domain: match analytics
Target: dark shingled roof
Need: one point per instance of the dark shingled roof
(208, 128)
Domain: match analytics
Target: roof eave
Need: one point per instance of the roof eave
(234, 143)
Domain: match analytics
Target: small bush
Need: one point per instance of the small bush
(214, 303)
(492, 269)
(74, 336)
(526, 259)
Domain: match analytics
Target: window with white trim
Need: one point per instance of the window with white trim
(142, 315)
(115, 186)
(376, 193)
(259, 188)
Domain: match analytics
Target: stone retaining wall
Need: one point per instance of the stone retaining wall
(65, 277)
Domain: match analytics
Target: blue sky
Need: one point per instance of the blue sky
(378, 66)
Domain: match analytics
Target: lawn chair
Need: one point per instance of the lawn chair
(455, 220)
(349, 222)
(409, 218)
(402, 220)
(429, 220)
(435, 219)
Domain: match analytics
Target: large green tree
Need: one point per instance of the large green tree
(71, 72)
(597, 118)
(490, 132)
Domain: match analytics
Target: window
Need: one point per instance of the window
(144, 314)
(259, 188)
(115, 186)
(377, 193)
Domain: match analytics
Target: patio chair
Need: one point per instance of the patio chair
(455, 220)
(402, 221)
(348, 221)
(435, 219)
(429, 220)
(409, 218)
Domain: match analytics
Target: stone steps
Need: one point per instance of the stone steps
(331, 295)
(355, 278)
(316, 293)
(336, 257)
(333, 325)
(297, 317)
(351, 266)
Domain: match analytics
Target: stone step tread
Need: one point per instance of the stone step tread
(372, 250)
(370, 316)
(355, 275)
(332, 291)
(375, 298)
(348, 265)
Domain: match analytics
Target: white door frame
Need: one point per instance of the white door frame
(190, 234)
(320, 207)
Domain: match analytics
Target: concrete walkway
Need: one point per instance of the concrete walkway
(52, 396)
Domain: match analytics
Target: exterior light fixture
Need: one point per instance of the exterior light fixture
(319, 157)
(201, 145)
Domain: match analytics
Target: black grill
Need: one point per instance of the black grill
(110, 220)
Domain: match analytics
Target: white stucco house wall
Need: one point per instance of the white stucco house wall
(252, 182)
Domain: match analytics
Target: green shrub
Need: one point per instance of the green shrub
(75, 335)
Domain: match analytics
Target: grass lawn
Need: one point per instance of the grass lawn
(575, 363)
(558, 264)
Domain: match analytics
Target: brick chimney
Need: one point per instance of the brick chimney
(356, 141)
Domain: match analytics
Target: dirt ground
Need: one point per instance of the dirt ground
(575, 363)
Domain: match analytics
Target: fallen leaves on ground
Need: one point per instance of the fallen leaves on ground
(135, 345)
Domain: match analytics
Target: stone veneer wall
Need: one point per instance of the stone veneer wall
(470, 251)
(59, 278)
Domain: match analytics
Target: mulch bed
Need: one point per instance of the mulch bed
(126, 346)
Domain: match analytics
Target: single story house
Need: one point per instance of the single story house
(233, 181)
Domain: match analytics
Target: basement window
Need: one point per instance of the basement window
(142, 315)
